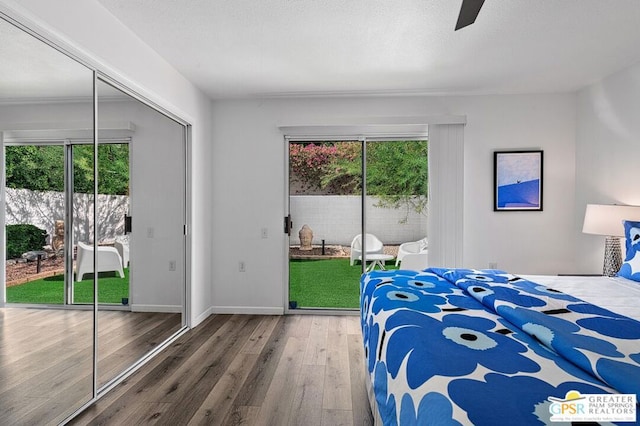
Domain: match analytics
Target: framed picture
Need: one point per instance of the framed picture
(517, 180)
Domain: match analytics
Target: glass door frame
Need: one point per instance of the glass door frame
(310, 134)
(68, 194)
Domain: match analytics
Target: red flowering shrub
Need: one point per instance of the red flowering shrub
(309, 163)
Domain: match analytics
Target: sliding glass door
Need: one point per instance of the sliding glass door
(35, 173)
(346, 219)
(396, 202)
(325, 183)
(112, 207)
(49, 187)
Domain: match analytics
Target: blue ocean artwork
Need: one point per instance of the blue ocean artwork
(520, 194)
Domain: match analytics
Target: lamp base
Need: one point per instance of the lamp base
(612, 257)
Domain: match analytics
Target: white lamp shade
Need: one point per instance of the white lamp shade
(607, 220)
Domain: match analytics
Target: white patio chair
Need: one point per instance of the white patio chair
(411, 247)
(108, 260)
(123, 251)
(373, 246)
(415, 261)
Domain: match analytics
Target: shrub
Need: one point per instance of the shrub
(24, 238)
(307, 163)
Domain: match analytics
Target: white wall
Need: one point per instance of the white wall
(43, 208)
(90, 31)
(157, 207)
(337, 219)
(607, 152)
(249, 174)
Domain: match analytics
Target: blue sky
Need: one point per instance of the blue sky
(516, 167)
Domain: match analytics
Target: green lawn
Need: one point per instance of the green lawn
(111, 289)
(330, 283)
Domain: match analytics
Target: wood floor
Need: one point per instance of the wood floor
(46, 357)
(248, 370)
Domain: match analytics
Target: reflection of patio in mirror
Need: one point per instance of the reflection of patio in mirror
(20, 271)
(46, 356)
(41, 281)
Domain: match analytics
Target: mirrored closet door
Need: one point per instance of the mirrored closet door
(94, 255)
(140, 154)
(46, 344)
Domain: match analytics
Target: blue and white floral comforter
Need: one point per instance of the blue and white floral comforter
(455, 346)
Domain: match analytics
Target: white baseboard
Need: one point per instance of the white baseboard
(247, 310)
(156, 308)
(239, 310)
(203, 316)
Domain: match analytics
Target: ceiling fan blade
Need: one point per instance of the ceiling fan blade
(468, 13)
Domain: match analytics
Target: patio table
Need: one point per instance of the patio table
(377, 259)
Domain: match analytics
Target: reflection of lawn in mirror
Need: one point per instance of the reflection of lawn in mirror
(329, 283)
(49, 290)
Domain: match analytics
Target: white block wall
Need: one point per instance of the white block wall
(43, 208)
(337, 219)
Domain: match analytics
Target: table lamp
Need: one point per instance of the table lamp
(600, 219)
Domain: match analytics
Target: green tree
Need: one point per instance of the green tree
(397, 173)
(41, 168)
(35, 167)
(113, 169)
(344, 172)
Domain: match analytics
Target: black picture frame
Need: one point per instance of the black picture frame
(518, 180)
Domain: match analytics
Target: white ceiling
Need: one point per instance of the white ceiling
(248, 48)
(244, 48)
(30, 69)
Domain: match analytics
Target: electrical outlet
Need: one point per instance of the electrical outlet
(241, 266)
(493, 265)
(150, 232)
(264, 233)
(172, 265)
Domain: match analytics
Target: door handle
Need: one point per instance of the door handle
(288, 224)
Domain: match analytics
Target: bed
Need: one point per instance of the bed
(484, 347)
